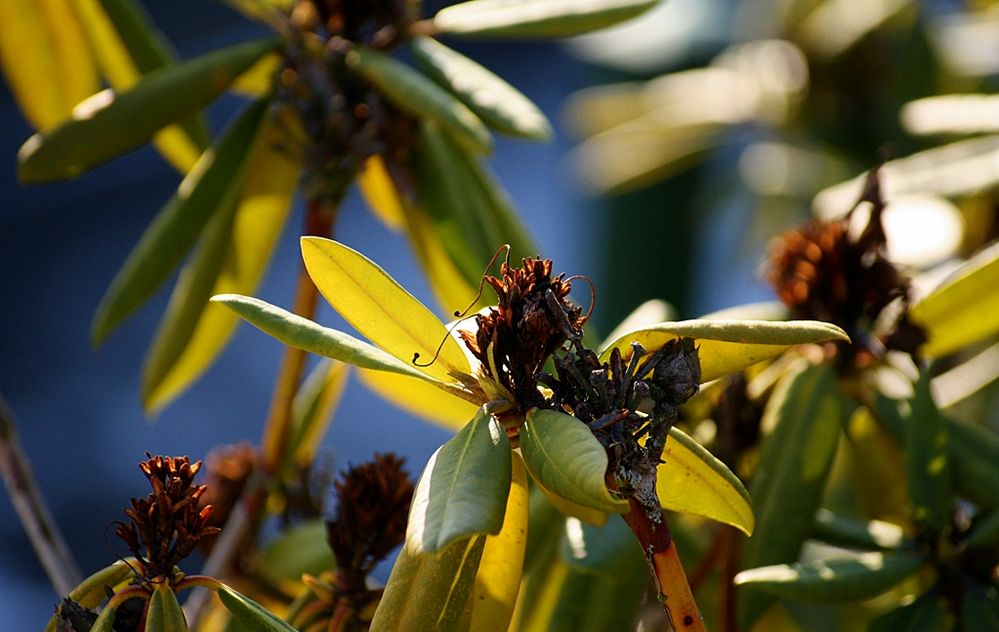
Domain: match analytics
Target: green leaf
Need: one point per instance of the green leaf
(205, 193)
(726, 346)
(964, 309)
(312, 410)
(984, 530)
(835, 580)
(596, 549)
(419, 96)
(498, 104)
(805, 412)
(979, 608)
(164, 613)
(91, 591)
(230, 259)
(105, 621)
(974, 452)
(535, 18)
(249, 613)
(470, 216)
(127, 46)
(927, 462)
(693, 481)
(302, 333)
(300, 549)
(871, 535)
(429, 592)
(463, 489)
(108, 124)
(562, 454)
(45, 59)
(381, 309)
(925, 614)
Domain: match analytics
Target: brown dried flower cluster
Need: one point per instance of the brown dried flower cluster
(533, 318)
(822, 272)
(165, 527)
(372, 506)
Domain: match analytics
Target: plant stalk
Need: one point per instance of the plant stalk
(42, 530)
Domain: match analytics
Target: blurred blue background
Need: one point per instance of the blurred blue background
(78, 408)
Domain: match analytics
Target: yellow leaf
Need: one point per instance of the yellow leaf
(693, 481)
(271, 180)
(121, 71)
(498, 580)
(380, 193)
(420, 398)
(726, 346)
(258, 81)
(381, 309)
(45, 58)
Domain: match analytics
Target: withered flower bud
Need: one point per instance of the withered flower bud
(371, 512)
(165, 527)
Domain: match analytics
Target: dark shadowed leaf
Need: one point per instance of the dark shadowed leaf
(927, 461)
(250, 614)
(164, 613)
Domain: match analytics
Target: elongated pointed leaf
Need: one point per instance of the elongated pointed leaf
(417, 95)
(927, 462)
(260, 196)
(109, 124)
(164, 613)
(299, 549)
(302, 333)
(497, 103)
(463, 489)
(205, 192)
(805, 412)
(470, 216)
(535, 18)
(250, 614)
(964, 309)
(498, 580)
(380, 193)
(419, 398)
(91, 591)
(922, 615)
(127, 45)
(984, 531)
(105, 621)
(313, 408)
(872, 535)
(429, 592)
(45, 59)
(693, 481)
(726, 346)
(381, 309)
(835, 580)
(562, 454)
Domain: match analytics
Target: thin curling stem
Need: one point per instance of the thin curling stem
(42, 530)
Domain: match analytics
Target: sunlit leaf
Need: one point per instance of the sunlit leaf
(964, 309)
(380, 192)
(429, 592)
(927, 462)
(296, 550)
(108, 124)
(693, 481)
(535, 18)
(806, 413)
(381, 309)
(726, 346)
(833, 580)
(497, 103)
(105, 621)
(871, 535)
(90, 593)
(922, 615)
(419, 96)
(572, 509)
(204, 193)
(418, 398)
(302, 333)
(249, 613)
(164, 613)
(45, 59)
(563, 455)
(313, 408)
(498, 580)
(470, 215)
(262, 194)
(463, 489)
(258, 81)
(127, 46)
